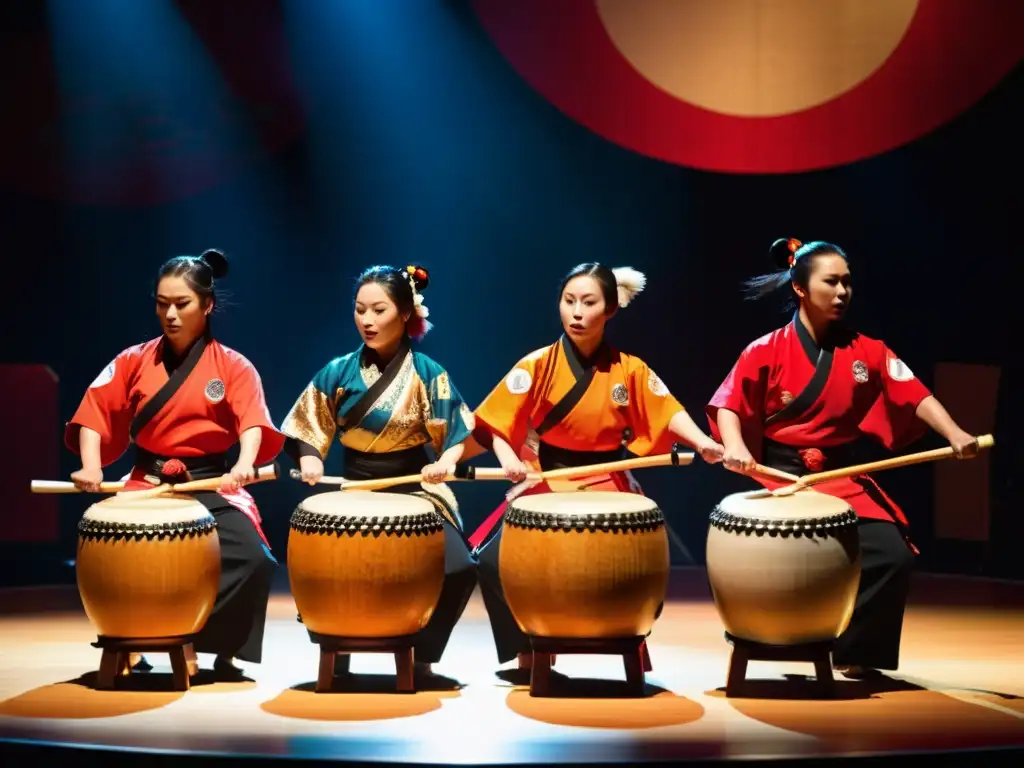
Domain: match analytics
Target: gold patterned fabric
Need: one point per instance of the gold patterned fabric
(311, 419)
(406, 401)
(419, 406)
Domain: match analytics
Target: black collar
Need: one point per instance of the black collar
(837, 335)
(172, 360)
(578, 362)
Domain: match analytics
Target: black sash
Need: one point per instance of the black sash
(197, 467)
(175, 381)
(788, 459)
(363, 405)
(583, 376)
(822, 359)
(360, 465)
(553, 457)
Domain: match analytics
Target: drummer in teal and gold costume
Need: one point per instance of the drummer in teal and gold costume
(387, 404)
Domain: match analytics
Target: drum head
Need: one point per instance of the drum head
(805, 504)
(583, 503)
(366, 504)
(163, 509)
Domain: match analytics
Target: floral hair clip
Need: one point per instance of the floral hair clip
(794, 246)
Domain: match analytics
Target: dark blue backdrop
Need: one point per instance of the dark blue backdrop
(416, 142)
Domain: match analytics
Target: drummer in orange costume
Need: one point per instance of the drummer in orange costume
(573, 403)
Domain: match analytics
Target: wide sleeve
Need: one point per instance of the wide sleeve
(106, 408)
(651, 409)
(450, 422)
(743, 392)
(248, 404)
(893, 419)
(505, 412)
(312, 421)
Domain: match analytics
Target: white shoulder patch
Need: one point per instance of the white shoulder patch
(468, 418)
(655, 384)
(106, 375)
(518, 381)
(899, 371)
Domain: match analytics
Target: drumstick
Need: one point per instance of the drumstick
(778, 474)
(63, 486)
(494, 473)
(984, 441)
(622, 465)
(268, 472)
(475, 473)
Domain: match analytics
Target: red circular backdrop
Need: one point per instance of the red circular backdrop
(951, 53)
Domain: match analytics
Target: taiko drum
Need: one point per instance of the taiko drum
(784, 570)
(366, 564)
(584, 564)
(148, 568)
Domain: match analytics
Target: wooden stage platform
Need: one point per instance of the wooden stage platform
(960, 687)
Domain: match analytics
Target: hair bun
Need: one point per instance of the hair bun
(783, 250)
(217, 262)
(420, 276)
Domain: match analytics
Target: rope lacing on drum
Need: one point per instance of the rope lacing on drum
(104, 529)
(814, 525)
(388, 525)
(619, 522)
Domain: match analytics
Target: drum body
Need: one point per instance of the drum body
(366, 564)
(584, 564)
(784, 570)
(148, 568)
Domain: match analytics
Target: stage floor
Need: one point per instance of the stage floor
(960, 686)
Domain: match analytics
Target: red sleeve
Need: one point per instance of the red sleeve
(249, 406)
(892, 419)
(743, 391)
(105, 409)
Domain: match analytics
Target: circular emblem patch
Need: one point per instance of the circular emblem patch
(860, 372)
(518, 381)
(620, 396)
(106, 375)
(214, 390)
(786, 397)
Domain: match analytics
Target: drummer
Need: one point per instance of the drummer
(184, 400)
(387, 405)
(575, 402)
(797, 399)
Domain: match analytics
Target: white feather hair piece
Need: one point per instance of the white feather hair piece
(630, 282)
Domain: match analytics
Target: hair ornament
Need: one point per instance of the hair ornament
(794, 245)
(417, 276)
(629, 282)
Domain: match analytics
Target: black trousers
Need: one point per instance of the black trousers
(460, 577)
(873, 637)
(235, 627)
(509, 639)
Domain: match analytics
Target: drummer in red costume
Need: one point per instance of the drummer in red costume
(572, 403)
(184, 400)
(799, 397)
